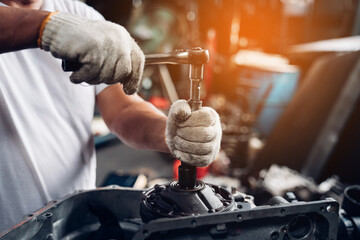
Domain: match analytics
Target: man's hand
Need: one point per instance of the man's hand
(106, 50)
(193, 137)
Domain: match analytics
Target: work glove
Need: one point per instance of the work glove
(193, 137)
(106, 50)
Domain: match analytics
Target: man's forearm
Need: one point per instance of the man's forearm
(19, 28)
(136, 122)
(142, 126)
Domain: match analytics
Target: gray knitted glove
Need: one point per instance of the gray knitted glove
(193, 137)
(106, 50)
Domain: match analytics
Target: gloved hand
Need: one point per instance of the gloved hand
(193, 137)
(106, 50)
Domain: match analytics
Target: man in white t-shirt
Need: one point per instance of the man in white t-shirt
(46, 144)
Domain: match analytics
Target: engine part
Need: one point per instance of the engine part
(172, 200)
(113, 213)
(350, 214)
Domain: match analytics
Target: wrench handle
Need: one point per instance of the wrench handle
(70, 66)
(196, 56)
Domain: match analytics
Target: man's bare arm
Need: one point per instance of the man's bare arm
(135, 121)
(19, 28)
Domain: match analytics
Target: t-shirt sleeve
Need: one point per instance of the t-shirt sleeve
(100, 87)
(84, 10)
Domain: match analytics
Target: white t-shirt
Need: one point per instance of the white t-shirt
(46, 143)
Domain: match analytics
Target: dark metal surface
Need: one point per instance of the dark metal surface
(80, 216)
(349, 228)
(316, 220)
(113, 213)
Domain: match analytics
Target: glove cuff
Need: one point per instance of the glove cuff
(51, 25)
(42, 27)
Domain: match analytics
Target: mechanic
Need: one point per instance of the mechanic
(46, 143)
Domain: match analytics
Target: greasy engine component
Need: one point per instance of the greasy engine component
(113, 213)
(172, 201)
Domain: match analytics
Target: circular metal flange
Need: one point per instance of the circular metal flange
(198, 186)
(171, 200)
